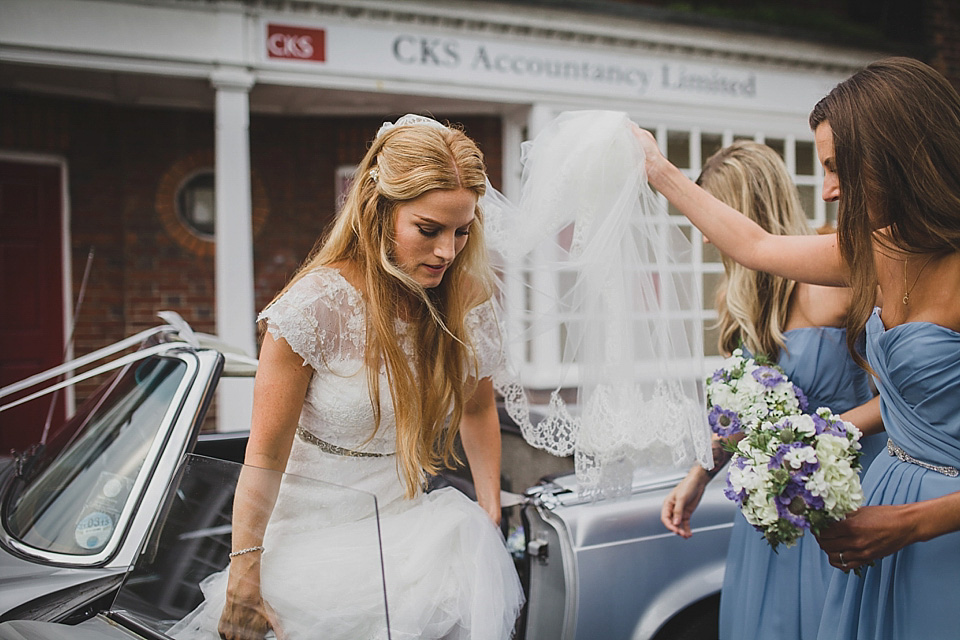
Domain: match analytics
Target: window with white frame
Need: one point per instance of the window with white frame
(687, 148)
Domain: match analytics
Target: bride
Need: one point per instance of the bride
(377, 353)
(386, 344)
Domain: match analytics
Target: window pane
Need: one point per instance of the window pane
(711, 282)
(678, 148)
(806, 158)
(710, 337)
(685, 229)
(710, 253)
(710, 143)
(777, 144)
(808, 196)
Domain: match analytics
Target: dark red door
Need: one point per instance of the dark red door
(31, 288)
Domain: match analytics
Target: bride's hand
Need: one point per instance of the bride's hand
(246, 615)
(651, 150)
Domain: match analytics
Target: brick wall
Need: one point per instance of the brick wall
(117, 157)
(943, 20)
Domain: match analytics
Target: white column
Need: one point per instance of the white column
(234, 236)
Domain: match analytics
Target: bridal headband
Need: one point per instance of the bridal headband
(409, 119)
(402, 121)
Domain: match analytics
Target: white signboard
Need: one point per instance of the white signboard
(382, 53)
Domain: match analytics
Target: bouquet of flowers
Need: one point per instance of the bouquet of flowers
(800, 472)
(746, 392)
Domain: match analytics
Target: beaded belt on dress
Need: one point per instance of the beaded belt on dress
(903, 456)
(326, 447)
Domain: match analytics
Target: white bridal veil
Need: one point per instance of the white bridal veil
(590, 256)
(601, 266)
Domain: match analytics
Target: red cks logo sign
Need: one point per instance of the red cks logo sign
(298, 43)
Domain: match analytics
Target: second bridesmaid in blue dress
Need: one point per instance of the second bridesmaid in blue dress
(769, 594)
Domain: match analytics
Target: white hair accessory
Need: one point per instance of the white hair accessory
(375, 176)
(410, 119)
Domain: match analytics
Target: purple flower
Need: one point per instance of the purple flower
(720, 375)
(801, 397)
(776, 460)
(724, 422)
(795, 502)
(735, 496)
(732, 494)
(832, 427)
(768, 376)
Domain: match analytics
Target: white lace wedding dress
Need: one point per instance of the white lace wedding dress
(446, 570)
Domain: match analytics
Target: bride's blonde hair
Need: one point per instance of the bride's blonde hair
(428, 394)
(753, 305)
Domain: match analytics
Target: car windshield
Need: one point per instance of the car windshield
(73, 489)
(176, 588)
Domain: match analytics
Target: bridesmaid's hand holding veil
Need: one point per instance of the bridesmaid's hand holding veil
(651, 152)
(734, 234)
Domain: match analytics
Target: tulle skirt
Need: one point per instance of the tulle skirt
(444, 571)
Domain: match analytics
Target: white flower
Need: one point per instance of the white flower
(798, 456)
(831, 446)
(803, 424)
(817, 483)
(762, 509)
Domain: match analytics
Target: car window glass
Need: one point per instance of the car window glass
(72, 500)
(177, 585)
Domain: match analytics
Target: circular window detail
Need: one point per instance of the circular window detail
(186, 203)
(196, 204)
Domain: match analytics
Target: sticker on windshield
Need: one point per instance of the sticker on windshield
(94, 530)
(101, 510)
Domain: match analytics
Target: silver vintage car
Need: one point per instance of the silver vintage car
(110, 525)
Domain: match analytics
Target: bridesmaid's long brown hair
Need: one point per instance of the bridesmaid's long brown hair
(896, 133)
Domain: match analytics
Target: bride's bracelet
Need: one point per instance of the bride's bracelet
(234, 554)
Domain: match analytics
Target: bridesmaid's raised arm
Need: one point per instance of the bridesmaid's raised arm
(813, 259)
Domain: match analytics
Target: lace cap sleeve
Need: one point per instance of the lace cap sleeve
(483, 323)
(319, 317)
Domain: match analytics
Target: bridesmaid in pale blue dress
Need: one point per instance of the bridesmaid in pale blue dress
(889, 142)
(781, 594)
(769, 594)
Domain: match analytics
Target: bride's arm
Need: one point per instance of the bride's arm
(480, 435)
(813, 259)
(279, 392)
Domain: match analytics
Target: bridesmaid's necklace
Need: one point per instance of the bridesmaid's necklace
(906, 291)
